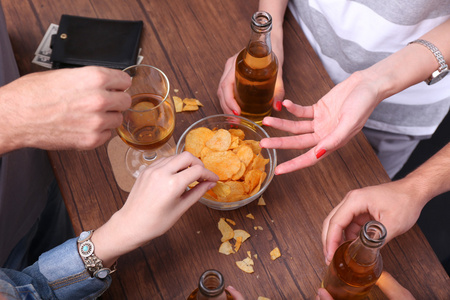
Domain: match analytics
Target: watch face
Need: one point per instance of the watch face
(437, 76)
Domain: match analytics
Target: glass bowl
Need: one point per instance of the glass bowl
(252, 132)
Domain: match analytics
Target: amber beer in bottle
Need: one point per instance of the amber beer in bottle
(211, 286)
(356, 265)
(256, 71)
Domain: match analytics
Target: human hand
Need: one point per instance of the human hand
(226, 89)
(157, 200)
(236, 294)
(387, 284)
(63, 109)
(394, 204)
(329, 124)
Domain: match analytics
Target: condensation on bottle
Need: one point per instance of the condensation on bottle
(357, 264)
(211, 285)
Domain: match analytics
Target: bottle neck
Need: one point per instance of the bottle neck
(260, 44)
(211, 286)
(366, 248)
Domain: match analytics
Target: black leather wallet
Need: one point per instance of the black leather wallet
(82, 41)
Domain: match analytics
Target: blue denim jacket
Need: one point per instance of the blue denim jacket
(58, 274)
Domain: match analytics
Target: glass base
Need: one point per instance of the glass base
(137, 161)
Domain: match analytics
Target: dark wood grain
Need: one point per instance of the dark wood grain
(191, 41)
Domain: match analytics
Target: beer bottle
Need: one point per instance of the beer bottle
(211, 286)
(356, 265)
(256, 71)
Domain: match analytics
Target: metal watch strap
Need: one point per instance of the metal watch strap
(92, 263)
(443, 67)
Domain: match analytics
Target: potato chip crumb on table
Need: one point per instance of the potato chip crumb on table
(275, 253)
(261, 201)
(246, 265)
(226, 230)
(226, 248)
(231, 222)
(241, 233)
(250, 216)
(238, 244)
(263, 298)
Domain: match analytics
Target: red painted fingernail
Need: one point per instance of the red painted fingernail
(320, 153)
(235, 113)
(278, 105)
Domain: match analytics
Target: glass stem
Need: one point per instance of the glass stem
(149, 156)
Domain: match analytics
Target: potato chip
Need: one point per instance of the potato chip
(237, 192)
(239, 163)
(231, 222)
(240, 173)
(235, 142)
(178, 103)
(196, 139)
(210, 195)
(261, 201)
(245, 153)
(254, 145)
(223, 163)
(221, 189)
(242, 234)
(190, 108)
(248, 261)
(226, 230)
(220, 141)
(238, 243)
(226, 248)
(237, 132)
(259, 162)
(262, 298)
(249, 254)
(193, 184)
(190, 101)
(250, 216)
(252, 179)
(245, 267)
(275, 253)
(258, 187)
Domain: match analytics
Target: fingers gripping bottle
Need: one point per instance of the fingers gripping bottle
(356, 265)
(256, 71)
(211, 286)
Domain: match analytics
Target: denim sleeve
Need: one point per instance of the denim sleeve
(59, 273)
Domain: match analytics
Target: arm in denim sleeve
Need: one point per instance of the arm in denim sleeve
(59, 273)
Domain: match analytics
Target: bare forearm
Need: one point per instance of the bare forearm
(411, 65)
(433, 177)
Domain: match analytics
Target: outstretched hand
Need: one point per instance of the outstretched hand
(325, 126)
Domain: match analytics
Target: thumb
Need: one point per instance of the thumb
(392, 289)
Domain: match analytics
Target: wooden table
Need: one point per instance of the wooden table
(190, 41)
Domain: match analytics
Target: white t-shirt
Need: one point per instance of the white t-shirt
(351, 35)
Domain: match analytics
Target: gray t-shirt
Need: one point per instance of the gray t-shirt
(25, 175)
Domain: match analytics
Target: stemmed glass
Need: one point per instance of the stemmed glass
(149, 123)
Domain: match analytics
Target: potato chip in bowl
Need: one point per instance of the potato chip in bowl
(229, 146)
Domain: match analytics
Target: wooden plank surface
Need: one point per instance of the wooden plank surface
(190, 41)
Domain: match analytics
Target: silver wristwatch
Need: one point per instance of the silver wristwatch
(442, 71)
(93, 264)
